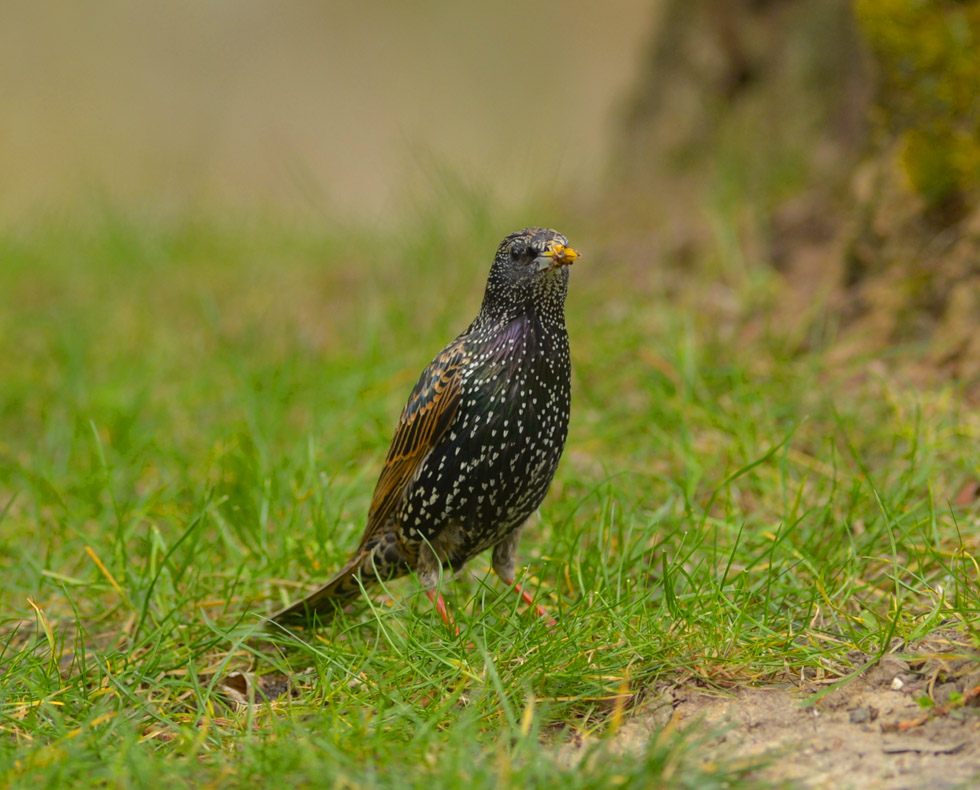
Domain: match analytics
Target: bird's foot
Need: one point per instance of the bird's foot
(543, 613)
(440, 602)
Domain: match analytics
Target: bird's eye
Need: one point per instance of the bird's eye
(516, 251)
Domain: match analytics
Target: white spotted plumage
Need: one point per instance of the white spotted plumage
(485, 470)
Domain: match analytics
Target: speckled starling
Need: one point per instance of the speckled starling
(479, 440)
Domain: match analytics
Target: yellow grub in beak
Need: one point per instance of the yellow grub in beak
(563, 256)
(557, 255)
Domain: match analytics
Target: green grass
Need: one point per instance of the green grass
(192, 418)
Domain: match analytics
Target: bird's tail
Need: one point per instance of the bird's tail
(324, 602)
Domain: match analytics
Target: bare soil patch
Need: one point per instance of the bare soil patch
(836, 745)
(872, 733)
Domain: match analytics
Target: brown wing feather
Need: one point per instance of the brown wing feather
(430, 410)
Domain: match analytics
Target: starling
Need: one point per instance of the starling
(479, 440)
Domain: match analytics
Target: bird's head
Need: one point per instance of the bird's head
(534, 251)
(531, 266)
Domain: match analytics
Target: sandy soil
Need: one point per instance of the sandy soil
(870, 734)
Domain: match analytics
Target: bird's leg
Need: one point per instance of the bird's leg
(504, 558)
(440, 602)
(430, 571)
(543, 613)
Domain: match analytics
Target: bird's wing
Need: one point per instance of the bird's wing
(430, 410)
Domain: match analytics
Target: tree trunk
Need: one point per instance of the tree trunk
(863, 171)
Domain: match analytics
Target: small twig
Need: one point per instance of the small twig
(940, 711)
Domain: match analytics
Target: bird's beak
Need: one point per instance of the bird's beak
(557, 255)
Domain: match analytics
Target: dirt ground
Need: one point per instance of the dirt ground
(870, 734)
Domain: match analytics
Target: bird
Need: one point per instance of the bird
(478, 443)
